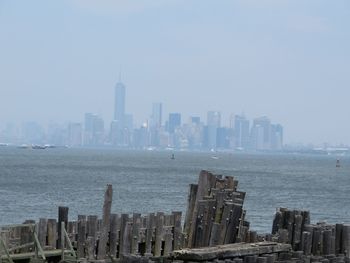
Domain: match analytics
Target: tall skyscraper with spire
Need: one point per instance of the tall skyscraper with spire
(119, 102)
(118, 123)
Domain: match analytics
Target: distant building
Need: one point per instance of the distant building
(33, 133)
(174, 122)
(261, 134)
(156, 117)
(276, 137)
(241, 132)
(75, 134)
(155, 124)
(94, 134)
(119, 122)
(213, 123)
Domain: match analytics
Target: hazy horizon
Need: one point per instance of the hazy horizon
(288, 60)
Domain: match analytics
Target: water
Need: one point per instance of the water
(33, 183)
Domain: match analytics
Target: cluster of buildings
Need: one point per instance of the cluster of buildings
(172, 132)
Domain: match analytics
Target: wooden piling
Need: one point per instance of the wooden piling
(42, 231)
(106, 217)
(113, 235)
(52, 233)
(338, 238)
(62, 217)
(159, 234)
(81, 236)
(151, 222)
(178, 242)
(346, 241)
(136, 224)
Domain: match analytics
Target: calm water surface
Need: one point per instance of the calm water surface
(33, 183)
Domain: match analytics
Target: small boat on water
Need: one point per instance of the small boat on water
(215, 157)
(337, 163)
(172, 157)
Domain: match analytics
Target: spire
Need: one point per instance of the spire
(120, 74)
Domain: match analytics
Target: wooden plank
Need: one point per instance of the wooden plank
(327, 242)
(159, 234)
(178, 242)
(149, 233)
(124, 242)
(90, 248)
(26, 235)
(346, 240)
(62, 217)
(233, 224)
(306, 242)
(106, 218)
(298, 221)
(136, 224)
(52, 233)
(289, 224)
(206, 181)
(82, 225)
(215, 235)
(113, 236)
(191, 199)
(317, 241)
(42, 231)
(229, 251)
(168, 241)
(228, 207)
(338, 238)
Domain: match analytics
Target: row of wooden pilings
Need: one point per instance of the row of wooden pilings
(214, 218)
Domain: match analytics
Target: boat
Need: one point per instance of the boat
(172, 157)
(215, 157)
(337, 163)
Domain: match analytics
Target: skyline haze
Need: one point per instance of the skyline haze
(284, 59)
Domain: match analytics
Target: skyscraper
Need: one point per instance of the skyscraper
(118, 125)
(261, 134)
(156, 118)
(174, 121)
(213, 123)
(241, 132)
(119, 103)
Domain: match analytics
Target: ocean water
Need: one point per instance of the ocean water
(33, 183)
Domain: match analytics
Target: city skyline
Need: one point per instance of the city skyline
(238, 122)
(284, 59)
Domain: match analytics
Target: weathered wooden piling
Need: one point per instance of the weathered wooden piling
(106, 217)
(62, 217)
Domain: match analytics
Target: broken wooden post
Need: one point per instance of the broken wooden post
(106, 217)
(62, 217)
(81, 236)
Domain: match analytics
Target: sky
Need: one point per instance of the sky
(288, 60)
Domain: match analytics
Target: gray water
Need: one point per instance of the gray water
(33, 183)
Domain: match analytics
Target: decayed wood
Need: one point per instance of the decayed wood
(136, 224)
(346, 240)
(42, 231)
(149, 233)
(338, 238)
(159, 234)
(298, 221)
(229, 251)
(52, 233)
(177, 230)
(124, 235)
(206, 181)
(114, 235)
(81, 236)
(62, 217)
(106, 217)
(190, 206)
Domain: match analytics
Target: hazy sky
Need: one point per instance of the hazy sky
(289, 60)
